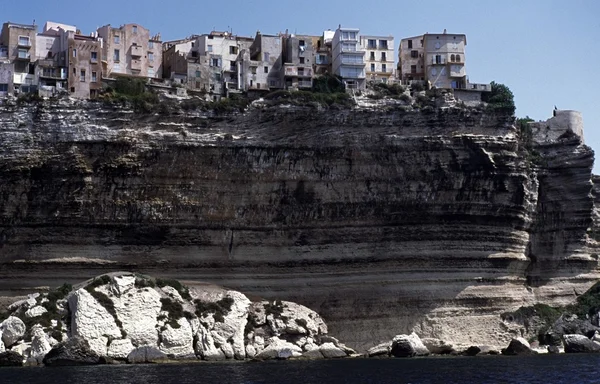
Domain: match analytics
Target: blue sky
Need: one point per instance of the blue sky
(544, 50)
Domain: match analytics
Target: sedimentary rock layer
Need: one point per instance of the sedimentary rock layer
(383, 221)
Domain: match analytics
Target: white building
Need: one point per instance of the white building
(348, 57)
(379, 57)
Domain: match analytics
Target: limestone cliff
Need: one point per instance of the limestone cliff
(384, 221)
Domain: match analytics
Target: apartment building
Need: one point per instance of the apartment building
(348, 57)
(52, 59)
(262, 64)
(176, 55)
(85, 66)
(323, 58)
(298, 58)
(131, 50)
(17, 52)
(411, 62)
(444, 57)
(379, 57)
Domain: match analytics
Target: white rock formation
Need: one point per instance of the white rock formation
(93, 322)
(36, 311)
(329, 350)
(120, 349)
(12, 330)
(235, 324)
(206, 348)
(146, 354)
(279, 349)
(178, 342)
(40, 344)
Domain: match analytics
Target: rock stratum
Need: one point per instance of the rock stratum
(384, 220)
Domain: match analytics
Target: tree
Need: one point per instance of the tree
(500, 99)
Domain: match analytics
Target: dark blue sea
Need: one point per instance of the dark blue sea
(572, 369)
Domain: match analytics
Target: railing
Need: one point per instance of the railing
(479, 87)
(437, 61)
(358, 60)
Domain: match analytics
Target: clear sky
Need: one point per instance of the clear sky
(543, 50)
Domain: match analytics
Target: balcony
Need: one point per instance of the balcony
(136, 65)
(136, 51)
(54, 73)
(23, 55)
(232, 68)
(479, 87)
(438, 61)
(24, 43)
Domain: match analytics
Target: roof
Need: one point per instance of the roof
(448, 34)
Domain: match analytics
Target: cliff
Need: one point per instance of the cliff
(383, 220)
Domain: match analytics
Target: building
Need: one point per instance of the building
(52, 59)
(439, 59)
(131, 50)
(379, 57)
(411, 65)
(85, 65)
(176, 55)
(17, 53)
(323, 58)
(262, 64)
(298, 58)
(348, 57)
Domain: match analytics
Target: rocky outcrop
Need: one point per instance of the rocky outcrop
(408, 346)
(13, 329)
(75, 351)
(385, 220)
(10, 359)
(579, 344)
(518, 346)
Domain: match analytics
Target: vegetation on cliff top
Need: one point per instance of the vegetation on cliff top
(500, 99)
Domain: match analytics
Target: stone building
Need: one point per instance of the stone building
(85, 66)
(348, 57)
(17, 52)
(379, 57)
(323, 58)
(131, 50)
(411, 65)
(176, 55)
(262, 64)
(298, 58)
(52, 58)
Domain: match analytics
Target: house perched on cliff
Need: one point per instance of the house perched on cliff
(438, 59)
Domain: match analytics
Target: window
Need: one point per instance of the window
(214, 63)
(458, 58)
(117, 39)
(24, 41)
(94, 77)
(209, 48)
(197, 85)
(151, 45)
(3, 52)
(372, 67)
(409, 44)
(383, 56)
(218, 76)
(253, 70)
(150, 56)
(413, 69)
(301, 43)
(116, 55)
(74, 71)
(372, 44)
(383, 44)
(74, 52)
(82, 75)
(301, 60)
(272, 83)
(372, 56)
(193, 44)
(438, 59)
(266, 56)
(198, 73)
(321, 59)
(383, 68)
(72, 89)
(414, 54)
(4, 87)
(94, 57)
(266, 69)
(233, 50)
(349, 47)
(135, 29)
(300, 71)
(452, 58)
(116, 68)
(150, 72)
(348, 35)
(31, 69)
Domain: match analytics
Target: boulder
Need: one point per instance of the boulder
(146, 354)
(92, 321)
(232, 330)
(338, 344)
(250, 351)
(472, 351)
(40, 345)
(178, 342)
(120, 349)
(568, 325)
(10, 359)
(75, 351)
(408, 346)
(279, 349)
(579, 344)
(13, 329)
(313, 354)
(29, 302)
(36, 311)
(553, 349)
(437, 346)
(330, 351)
(518, 346)
(382, 349)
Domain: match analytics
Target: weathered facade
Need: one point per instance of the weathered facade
(323, 59)
(411, 65)
(17, 47)
(131, 50)
(379, 57)
(85, 69)
(52, 58)
(349, 57)
(263, 64)
(298, 56)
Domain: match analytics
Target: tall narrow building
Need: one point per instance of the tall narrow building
(349, 57)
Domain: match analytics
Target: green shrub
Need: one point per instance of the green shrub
(219, 309)
(500, 99)
(182, 289)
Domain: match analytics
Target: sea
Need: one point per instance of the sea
(546, 369)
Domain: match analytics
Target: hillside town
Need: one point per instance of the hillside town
(62, 60)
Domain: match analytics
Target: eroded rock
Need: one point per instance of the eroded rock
(408, 346)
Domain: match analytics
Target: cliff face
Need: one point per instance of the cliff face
(383, 221)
